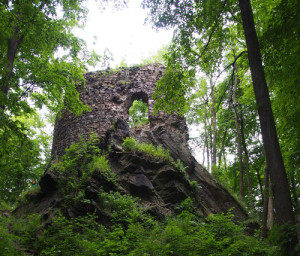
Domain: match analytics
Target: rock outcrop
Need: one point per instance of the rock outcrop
(160, 185)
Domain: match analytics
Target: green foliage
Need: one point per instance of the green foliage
(209, 40)
(79, 154)
(158, 153)
(129, 144)
(8, 239)
(123, 209)
(18, 234)
(76, 236)
(133, 233)
(101, 164)
(184, 236)
(38, 30)
(281, 51)
(179, 165)
(42, 64)
(32, 190)
(78, 163)
(24, 153)
(194, 185)
(170, 92)
(27, 230)
(158, 57)
(138, 113)
(281, 235)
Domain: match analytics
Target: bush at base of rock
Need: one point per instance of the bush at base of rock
(184, 234)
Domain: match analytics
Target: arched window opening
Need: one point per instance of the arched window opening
(138, 113)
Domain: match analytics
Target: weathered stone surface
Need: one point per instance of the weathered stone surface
(158, 183)
(110, 96)
(170, 185)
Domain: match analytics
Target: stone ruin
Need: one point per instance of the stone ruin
(160, 185)
(110, 95)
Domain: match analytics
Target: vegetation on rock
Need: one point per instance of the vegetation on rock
(148, 149)
(133, 233)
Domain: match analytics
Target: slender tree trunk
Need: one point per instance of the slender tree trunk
(238, 133)
(214, 120)
(225, 163)
(247, 164)
(222, 146)
(274, 161)
(203, 153)
(264, 230)
(260, 184)
(12, 47)
(206, 135)
(235, 176)
(210, 144)
(294, 189)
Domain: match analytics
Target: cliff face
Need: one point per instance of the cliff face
(159, 184)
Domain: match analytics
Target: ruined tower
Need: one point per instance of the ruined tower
(110, 94)
(160, 184)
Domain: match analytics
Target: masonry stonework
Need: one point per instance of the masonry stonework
(110, 95)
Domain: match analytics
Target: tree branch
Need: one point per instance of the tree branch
(211, 34)
(231, 64)
(220, 101)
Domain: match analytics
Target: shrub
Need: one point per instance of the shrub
(179, 165)
(132, 232)
(158, 153)
(27, 230)
(7, 239)
(129, 144)
(101, 164)
(79, 161)
(75, 236)
(122, 208)
(187, 235)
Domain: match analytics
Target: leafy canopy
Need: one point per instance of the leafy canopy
(41, 64)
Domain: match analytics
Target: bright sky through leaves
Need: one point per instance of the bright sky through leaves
(123, 33)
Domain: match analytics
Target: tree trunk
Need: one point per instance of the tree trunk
(222, 146)
(270, 212)
(203, 152)
(12, 47)
(225, 162)
(214, 120)
(235, 176)
(238, 133)
(260, 184)
(294, 189)
(266, 193)
(274, 161)
(247, 164)
(206, 135)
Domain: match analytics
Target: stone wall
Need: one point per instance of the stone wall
(110, 95)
